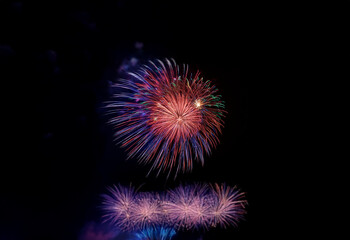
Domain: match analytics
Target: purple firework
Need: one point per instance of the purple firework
(118, 206)
(147, 211)
(185, 207)
(189, 206)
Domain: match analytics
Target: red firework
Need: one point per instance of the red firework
(168, 117)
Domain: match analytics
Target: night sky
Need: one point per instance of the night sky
(58, 61)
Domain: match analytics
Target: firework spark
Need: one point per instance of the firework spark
(166, 116)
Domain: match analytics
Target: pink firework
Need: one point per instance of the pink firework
(185, 207)
(167, 116)
(229, 207)
(147, 211)
(189, 207)
(119, 205)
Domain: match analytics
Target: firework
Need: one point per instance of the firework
(155, 233)
(229, 206)
(147, 211)
(183, 208)
(118, 206)
(167, 116)
(189, 207)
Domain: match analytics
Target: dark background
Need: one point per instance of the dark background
(57, 60)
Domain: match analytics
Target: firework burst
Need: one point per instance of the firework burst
(229, 206)
(118, 206)
(147, 211)
(167, 116)
(186, 207)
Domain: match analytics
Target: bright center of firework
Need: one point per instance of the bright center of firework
(175, 116)
(198, 103)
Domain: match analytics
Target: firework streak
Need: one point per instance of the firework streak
(166, 116)
(198, 206)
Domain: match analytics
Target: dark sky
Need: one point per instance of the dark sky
(57, 60)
